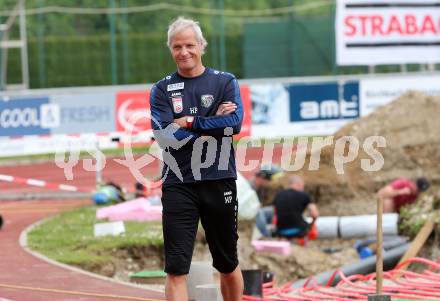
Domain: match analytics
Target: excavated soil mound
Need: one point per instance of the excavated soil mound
(410, 126)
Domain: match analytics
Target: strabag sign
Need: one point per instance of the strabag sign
(387, 32)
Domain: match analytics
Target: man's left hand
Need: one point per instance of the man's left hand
(225, 108)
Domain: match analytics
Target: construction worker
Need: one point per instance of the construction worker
(401, 192)
(262, 180)
(287, 211)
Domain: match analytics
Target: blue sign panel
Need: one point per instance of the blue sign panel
(324, 101)
(24, 116)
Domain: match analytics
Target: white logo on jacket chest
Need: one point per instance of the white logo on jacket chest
(207, 100)
(176, 86)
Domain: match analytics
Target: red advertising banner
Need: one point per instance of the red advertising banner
(133, 111)
(245, 93)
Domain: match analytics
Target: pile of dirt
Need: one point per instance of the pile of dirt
(410, 127)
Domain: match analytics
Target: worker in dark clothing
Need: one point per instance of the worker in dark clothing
(287, 211)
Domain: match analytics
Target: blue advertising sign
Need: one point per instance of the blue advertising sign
(24, 116)
(324, 101)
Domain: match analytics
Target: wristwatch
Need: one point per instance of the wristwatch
(189, 122)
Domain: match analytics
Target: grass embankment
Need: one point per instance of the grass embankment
(68, 238)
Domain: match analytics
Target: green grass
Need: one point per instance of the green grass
(68, 238)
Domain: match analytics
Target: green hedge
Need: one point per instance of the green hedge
(86, 60)
(303, 46)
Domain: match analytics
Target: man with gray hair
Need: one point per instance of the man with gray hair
(203, 109)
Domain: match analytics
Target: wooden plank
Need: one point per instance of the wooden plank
(379, 257)
(419, 241)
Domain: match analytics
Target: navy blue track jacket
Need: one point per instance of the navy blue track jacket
(176, 96)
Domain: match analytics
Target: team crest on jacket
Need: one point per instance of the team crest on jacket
(177, 104)
(207, 100)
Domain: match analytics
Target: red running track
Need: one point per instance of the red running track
(20, 268)
(113, 171)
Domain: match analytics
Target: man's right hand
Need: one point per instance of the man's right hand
(226, 108)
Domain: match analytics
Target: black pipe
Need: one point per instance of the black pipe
(364, 267)
(389, 242)
(368, 247)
